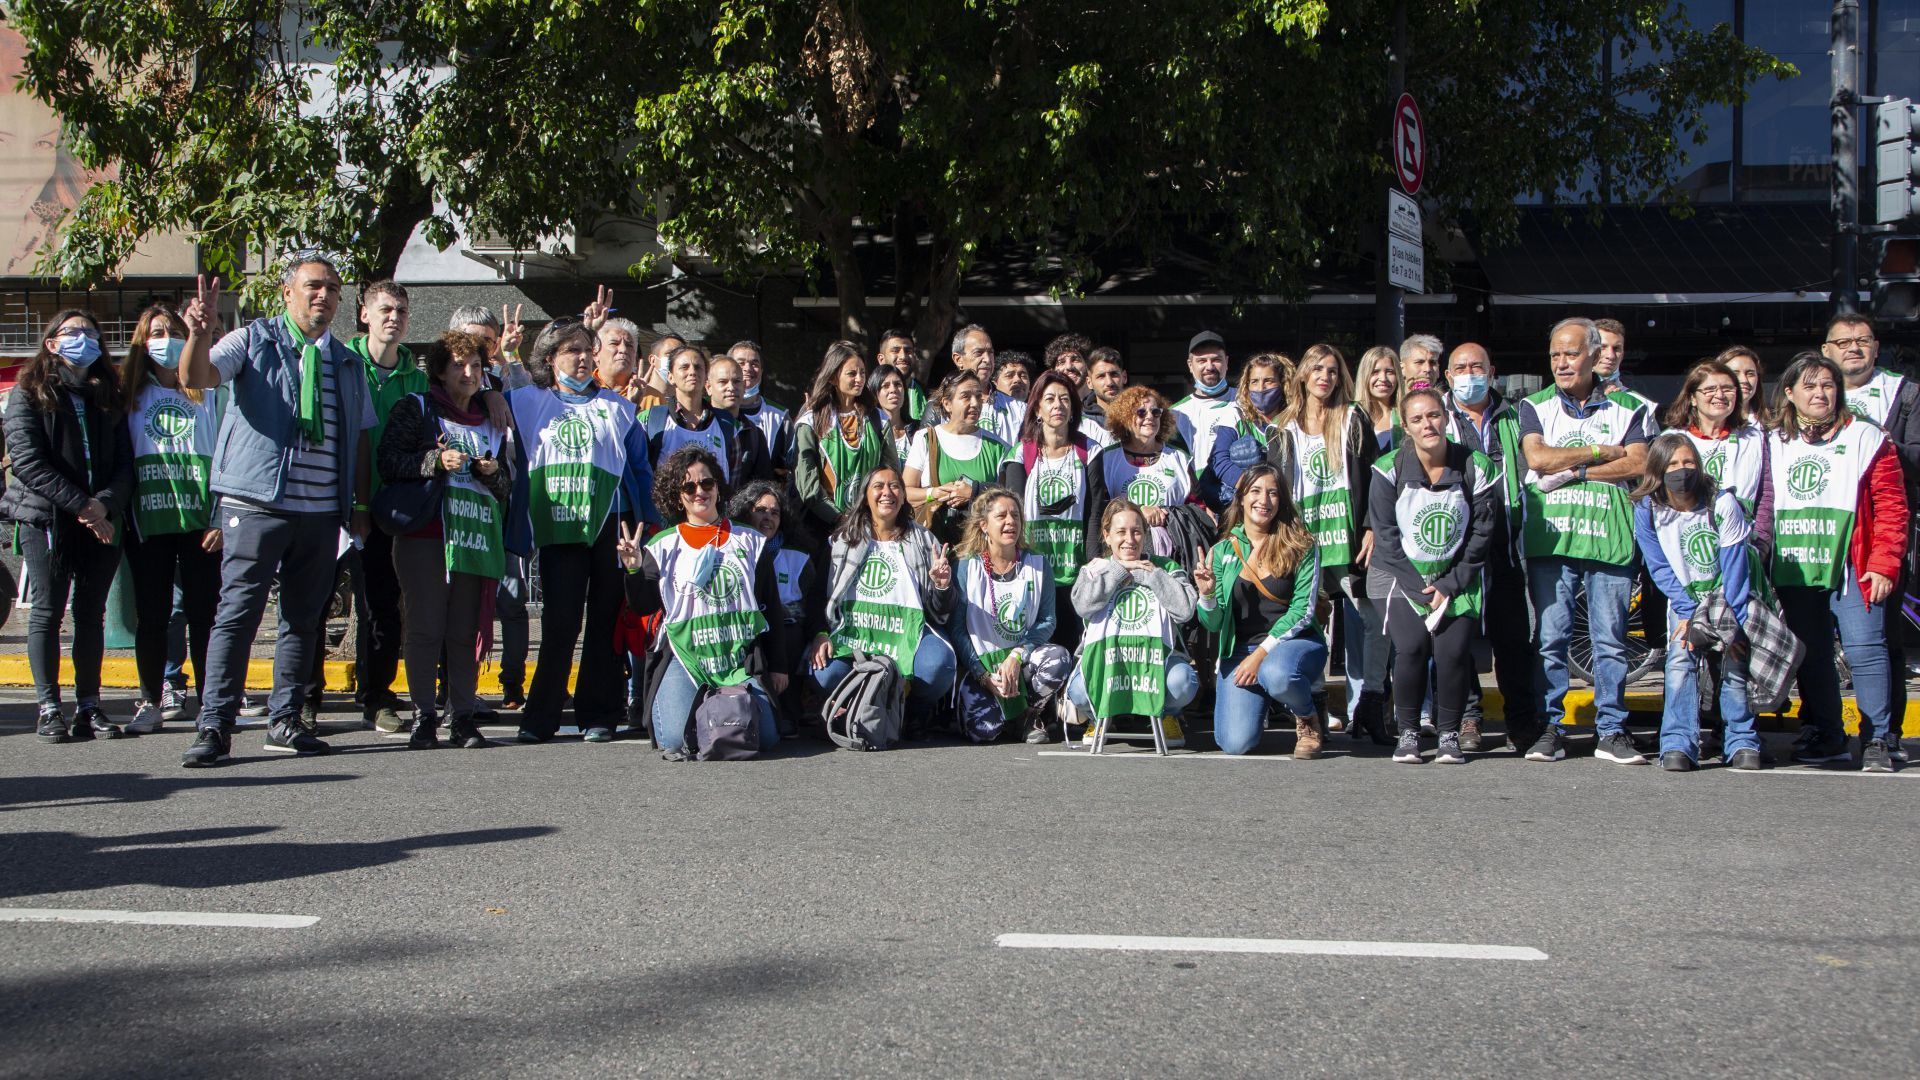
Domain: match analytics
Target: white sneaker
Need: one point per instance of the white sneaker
(146, 719)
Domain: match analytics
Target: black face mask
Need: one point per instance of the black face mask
(1680, 481)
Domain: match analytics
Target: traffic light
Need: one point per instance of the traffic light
(1896, 253)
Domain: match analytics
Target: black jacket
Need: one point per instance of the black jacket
(50, 485)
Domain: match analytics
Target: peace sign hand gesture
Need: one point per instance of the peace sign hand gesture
(203, 309)
(942, 569)
(1202, 572)
(511, 332)
(628, 546)
(596, 314)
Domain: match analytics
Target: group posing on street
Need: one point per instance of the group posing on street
(1039, 549)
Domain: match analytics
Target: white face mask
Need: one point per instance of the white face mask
(1470, 389)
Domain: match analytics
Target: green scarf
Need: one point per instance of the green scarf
(312, 423)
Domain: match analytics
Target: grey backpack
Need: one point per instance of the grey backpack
(726, 725)
(865, 711)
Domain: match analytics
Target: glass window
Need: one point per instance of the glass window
(1787, 128)
(1896, 46)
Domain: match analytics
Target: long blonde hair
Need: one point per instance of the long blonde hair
(1363, 381)
(1333, 423)
(1289, 541)
(973, 534)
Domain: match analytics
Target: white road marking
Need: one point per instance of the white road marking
(1805, 770)
(1295, 947)
(1146, 752)
(158, 918)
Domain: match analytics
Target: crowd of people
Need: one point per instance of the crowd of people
(1039, 547)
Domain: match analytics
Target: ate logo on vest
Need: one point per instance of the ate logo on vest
(1808, 478)
(1434, 528)
(1857, 409)
(876, 576)
(1716, 463)
(464, 442)
(1133, 608)
(724, 585)
(1575, 439)
(1701, 547)
(1053, 487)
(1144, 490)
(573, 435)
(170, 421)
(1008, 616)
(1317, 466)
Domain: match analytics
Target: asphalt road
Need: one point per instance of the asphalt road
(588, 911)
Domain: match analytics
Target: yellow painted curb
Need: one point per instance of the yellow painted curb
(119, 672)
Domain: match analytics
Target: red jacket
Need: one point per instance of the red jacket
(1880, 527)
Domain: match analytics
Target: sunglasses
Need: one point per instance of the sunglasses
(705, 483)
(1148, 414)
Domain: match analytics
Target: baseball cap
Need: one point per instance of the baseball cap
(1203, 339)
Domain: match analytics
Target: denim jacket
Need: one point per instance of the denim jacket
(261, 365)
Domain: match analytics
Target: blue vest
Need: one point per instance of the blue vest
(257, 434)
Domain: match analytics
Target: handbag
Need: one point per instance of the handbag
(930, 509)
(406, 507)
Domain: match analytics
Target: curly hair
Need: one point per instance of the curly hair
(973, 535)
(1068, 343)
(673, 472)
(1120, 413)
(449, 347)
(740, 507)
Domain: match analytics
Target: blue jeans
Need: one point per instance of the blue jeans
(1353, 640)
(1182, 685)
(259, 548)
(1287, 677)
(1554, 582)
(1814, 615)
(1680, 723)
(673, 708)
(933, 668)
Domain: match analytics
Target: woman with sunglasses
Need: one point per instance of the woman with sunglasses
(72, 480)
(1049, 474)
(1711, 411)
(1257, 589)
(171, 431)
(889, 583)
(713, 583)
(949, 463)
(1135, 604)
(838, 438)
(1256, 405)
(1840, 533)
(890, 392)
(583, 456)
(1433, 508)
(1326, 450)
(1693, 535)
(1140, 467)
(799, 575)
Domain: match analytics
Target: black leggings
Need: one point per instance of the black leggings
(579, 583)
(154, 561)
(1451, 650)
(86, 573)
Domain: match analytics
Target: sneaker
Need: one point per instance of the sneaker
(599, 734)
(1676, 761)
(146, 719)
(1550, 746)
(513, 697)
(1407, 750)
(425, 734)
(1618, 748)
(1805, 737)
(310, 715)
(294, 738)
(386, 720)
(463, 734)
(90, 721)
(53, 726)
(531, 738)
(1037, 734)
(173, 705)
(208, 748)
(1176, 737)
(1745, 760)
(1427, 730)
(1897, 750)
(1336, 723)
(1820, 752)
(1875, 758)
(250, 710)
(1451, 752)
(1470, 734)
(678, 753)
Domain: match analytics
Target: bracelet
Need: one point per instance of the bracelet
(360, 507)
(1596, 451)
(1580, 474)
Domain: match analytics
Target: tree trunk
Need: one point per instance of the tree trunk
(933, 332)
(407, 203)
(849, 284)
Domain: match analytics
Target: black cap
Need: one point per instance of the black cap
(1205, 338)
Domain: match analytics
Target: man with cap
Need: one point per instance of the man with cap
(1210, 404)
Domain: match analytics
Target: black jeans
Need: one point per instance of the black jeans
(1515, 653)
(579, 580)
(1450, 648)
(154, 562)
(261, 547)
(377, 608)
(86, 574)
(510, 605)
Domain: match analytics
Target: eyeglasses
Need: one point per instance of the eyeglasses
(1843, 344)
(1148, 414)
(705, 483)
(1715, 391)
(79, 331)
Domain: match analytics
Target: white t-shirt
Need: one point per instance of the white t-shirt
(958, 447)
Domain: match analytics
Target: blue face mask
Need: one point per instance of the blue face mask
(1469, 389)
(1211, 389)
(79, 350)
(1267, 401)
(167, 352)
(577, 386)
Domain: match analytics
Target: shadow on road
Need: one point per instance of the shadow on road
(59, 862)
(85, 789)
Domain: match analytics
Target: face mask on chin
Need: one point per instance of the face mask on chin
(573, 385)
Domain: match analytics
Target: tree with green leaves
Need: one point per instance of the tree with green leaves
(1246, 138)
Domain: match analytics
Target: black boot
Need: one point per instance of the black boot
(464, 734)
(1370, 719)
(426, 732)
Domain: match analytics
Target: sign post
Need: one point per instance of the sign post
(1407, 143)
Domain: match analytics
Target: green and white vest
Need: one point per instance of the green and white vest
(1165, 482)
(1582, 520)
(883, 614)
(1123, 663)
(1057, 537)
(1875, 400)
(710, 629)
(1692, 539)
(787, 567)
(1321, 492)
(1734, 462)
(471, 518)
(173, 439)
(1434, 525)
(998, 615)
(576, 455)
(1816, 490)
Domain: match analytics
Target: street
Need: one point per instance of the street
(575, 910)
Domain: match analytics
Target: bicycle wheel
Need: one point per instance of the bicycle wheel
(1641, 658)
